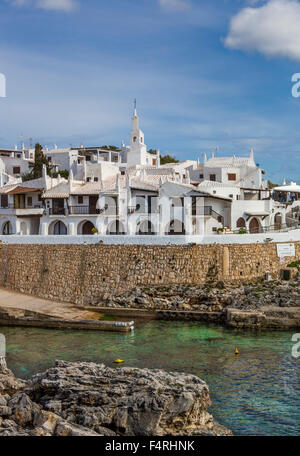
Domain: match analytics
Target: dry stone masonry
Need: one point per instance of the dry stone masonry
(87, 274)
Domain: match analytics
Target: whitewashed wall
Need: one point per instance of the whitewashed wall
(290, 236)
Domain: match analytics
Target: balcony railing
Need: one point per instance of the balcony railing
(14, 207)
(142, 210)
(57, 211)
(83, 210)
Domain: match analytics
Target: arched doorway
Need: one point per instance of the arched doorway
(116, 227)
(175, 227)
(7, 228)
(241, 223)
(145, 228)
(59, 228)
(254, 226)
(278, 221)
(87, 228)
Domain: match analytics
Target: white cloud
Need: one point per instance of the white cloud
(272, 29)
(52, 5)
(174, 5)
(63, 5)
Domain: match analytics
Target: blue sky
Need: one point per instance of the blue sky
(201, 77)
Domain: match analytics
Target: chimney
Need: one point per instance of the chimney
(44, 172)
(187, 180)
(70, 180)
(158, 158)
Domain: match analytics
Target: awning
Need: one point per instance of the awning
(288, 188)
(20, 190)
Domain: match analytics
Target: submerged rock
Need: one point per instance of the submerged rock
(92, 399)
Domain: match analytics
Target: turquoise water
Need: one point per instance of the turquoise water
(255, 393)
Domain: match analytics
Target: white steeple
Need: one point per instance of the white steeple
(138, 149)
(135, 119)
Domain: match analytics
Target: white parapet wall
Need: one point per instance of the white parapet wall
(290, 236)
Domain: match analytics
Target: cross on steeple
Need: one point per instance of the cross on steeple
(134, 104)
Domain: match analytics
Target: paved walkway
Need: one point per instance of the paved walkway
(62, 310)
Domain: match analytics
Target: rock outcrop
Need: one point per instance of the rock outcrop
(91, 399)
(263, 304)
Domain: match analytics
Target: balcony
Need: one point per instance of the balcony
(11, 209)
(57, 211)
(142, 210)
(83, 210)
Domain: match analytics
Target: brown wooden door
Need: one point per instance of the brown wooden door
(254, 226)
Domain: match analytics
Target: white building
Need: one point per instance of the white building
(127, 191)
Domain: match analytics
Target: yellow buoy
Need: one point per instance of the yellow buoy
(236, 351)
(119, 361)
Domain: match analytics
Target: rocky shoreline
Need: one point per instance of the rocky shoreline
(266, 304)
(87, 399)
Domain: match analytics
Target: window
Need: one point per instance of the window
(80, 199)
(122, 173)
(88, 179)
(29, 201)
(214, 228)
(96, 179)
(231, 177)
(4, 200)
(40, 197)
(18, 155)
(212, 177)
(134, 139)
(16, 170)
(49, 159)
(201, 176)
(88, 158)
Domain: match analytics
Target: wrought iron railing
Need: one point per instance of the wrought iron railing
(266, 229)
(83, 210)
(14, 207)
(57, 211)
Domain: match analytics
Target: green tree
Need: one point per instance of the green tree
(271, 185)
(39, 161)
(27, 176)
(164, 159)
(109, 147)
(63, 173)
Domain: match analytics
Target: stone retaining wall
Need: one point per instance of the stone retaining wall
(86, 273)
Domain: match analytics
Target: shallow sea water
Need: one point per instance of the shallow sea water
(254, 393)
